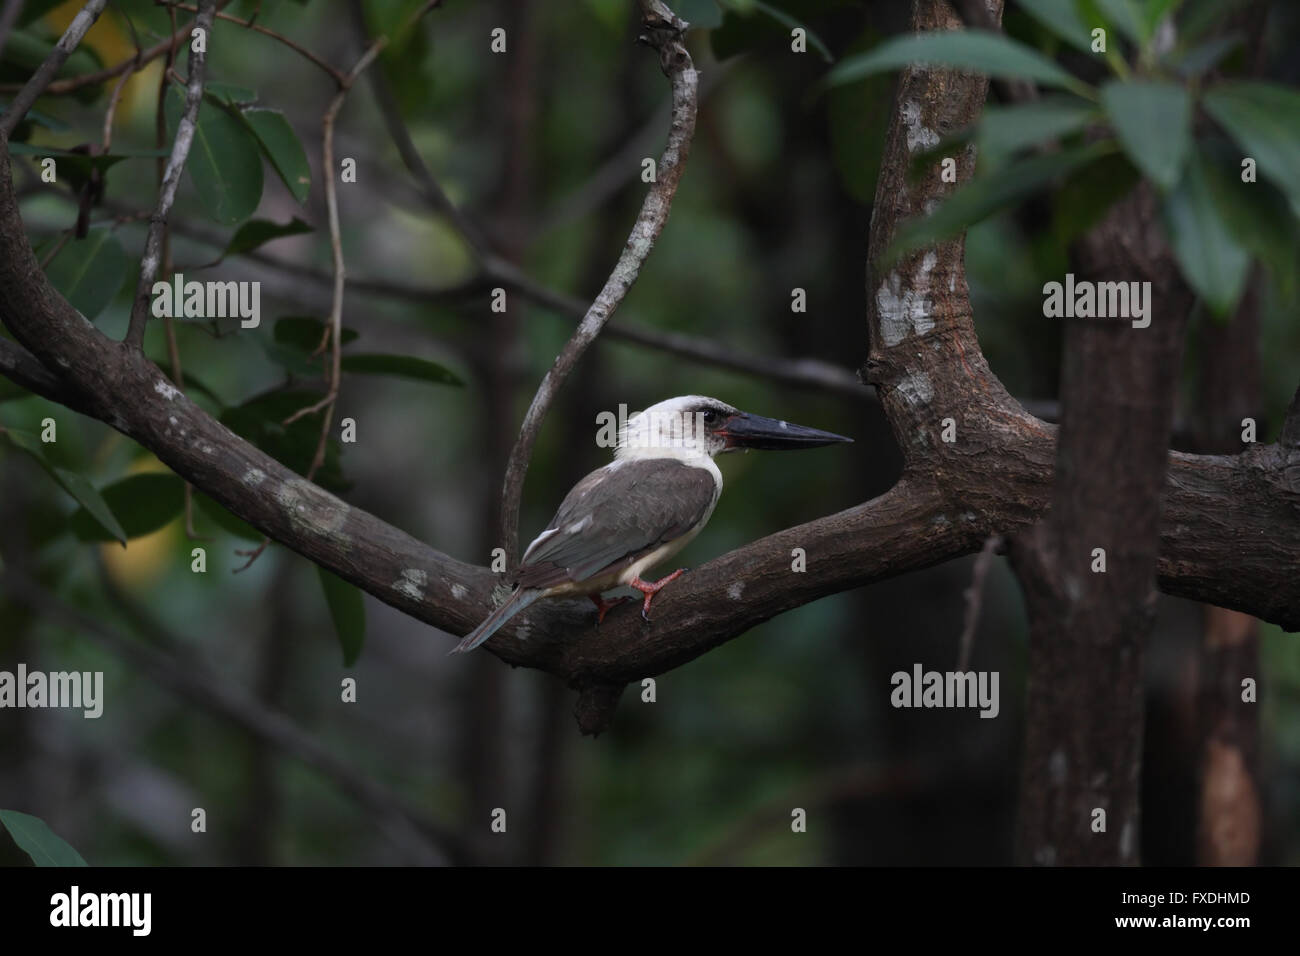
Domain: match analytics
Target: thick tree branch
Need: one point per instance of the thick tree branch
(663, 31)
(34, 87)
(153, 245)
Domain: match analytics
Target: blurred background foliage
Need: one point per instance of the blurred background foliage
(541, 146)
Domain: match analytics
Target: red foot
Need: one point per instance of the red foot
(603, 607)
(651, 589)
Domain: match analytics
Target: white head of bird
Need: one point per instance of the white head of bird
(684, 427)
(641, 508)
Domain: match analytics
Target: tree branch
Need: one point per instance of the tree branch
(664, 32)
(171, 180)
(20, 366)
(34, 87)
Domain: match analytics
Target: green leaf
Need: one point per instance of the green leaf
(1213, 262)
(975, 50)
(143, 503)
(89, 272)
(28, 51)
(1264, 119)
(1153, 122)
(790, 23)
(1202, 17)
(71, 482)
(81, 489)
(1202, 58)
(349, 613)
(1086, 196)
(405, 366)
(224, 164)
(305, 333)
(1153, 11)
(294, 344)
(280, 143)
(258, 232)
(1123, 15)
(297, 362)
(34, 118)
(1257, 215)
(77, 166)
(857, 115)
(1062, 18)
(10, 391)
(1006, 130)
(38, 841)
(260, 420)
(224, 520)
(988, 193)
(224, 94)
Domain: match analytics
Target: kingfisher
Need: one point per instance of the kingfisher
(642, 508)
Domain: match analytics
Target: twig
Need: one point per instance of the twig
(334, 328)
(974, 596)
(433, 192)
(54, 249)
(130, 25)
(252, 554)
(335, 73)
(335, 325)
(109, 113)
(169, 324)
(8, 16)
(171, 180)
(44, 74)
(664, 31)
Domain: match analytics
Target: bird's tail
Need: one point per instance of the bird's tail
(513, 605)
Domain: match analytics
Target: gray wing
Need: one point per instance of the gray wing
(616, 515)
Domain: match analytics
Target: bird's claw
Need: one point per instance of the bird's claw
(603, 607)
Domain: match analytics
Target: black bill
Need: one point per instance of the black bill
(754, 431)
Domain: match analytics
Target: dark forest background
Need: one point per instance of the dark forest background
(541, 147)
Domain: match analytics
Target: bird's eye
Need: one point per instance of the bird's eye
(710, 416)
